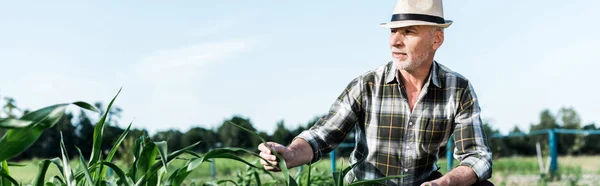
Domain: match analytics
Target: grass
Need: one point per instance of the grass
(529, 165)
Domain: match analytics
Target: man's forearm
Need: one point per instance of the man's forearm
(302, 153)
(461, 175)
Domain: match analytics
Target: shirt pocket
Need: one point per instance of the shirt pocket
(434, 134)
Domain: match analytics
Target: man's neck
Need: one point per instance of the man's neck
(415, 79)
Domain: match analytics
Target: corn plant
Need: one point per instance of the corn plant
(150, 159)
(337, 176)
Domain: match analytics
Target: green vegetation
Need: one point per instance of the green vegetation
(152, 163)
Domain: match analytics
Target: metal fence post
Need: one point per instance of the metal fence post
(213, 168)
(449, 157)
(332, 157)
(553, 151)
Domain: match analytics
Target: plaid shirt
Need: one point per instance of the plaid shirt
(392, 140)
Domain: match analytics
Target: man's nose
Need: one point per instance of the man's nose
(397, 39)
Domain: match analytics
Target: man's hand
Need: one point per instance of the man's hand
(297, 153)
(461, 175)
(266, 153)
(430, 183)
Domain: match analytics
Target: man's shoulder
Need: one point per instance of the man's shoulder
(451, 78)
(375, 75)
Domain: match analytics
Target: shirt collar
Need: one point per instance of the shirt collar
(433, 74)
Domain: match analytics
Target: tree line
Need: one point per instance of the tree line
(568, 144)
(77, 130)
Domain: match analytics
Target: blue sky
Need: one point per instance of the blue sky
(195, 63)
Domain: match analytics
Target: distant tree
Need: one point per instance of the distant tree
(9, 108)
(281, 134)
(172, 137)
(591, 145)
(84, 130)
(570, 143)
(113, 115)
(47, 143)
(124, 152)
(302, 127)
(547, 121)
(520, 145)
(496, 144)
(208, 139)
(232, 136)
(110, 137)
(313, 121)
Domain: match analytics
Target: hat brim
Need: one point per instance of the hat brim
(400, 24)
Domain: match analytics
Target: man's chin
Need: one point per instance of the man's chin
(402, 65)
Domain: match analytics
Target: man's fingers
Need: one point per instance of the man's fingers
(274, 169)
(269, 157)
(269, 160)
(275, 146)
(264, 148)
(269, 167)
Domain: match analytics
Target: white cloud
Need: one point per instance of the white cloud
(167, 84)
(183, 62)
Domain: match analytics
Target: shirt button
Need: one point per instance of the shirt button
(405, 170)
(410, 123)
(407, 147)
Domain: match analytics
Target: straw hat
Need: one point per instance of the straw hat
(418, 12)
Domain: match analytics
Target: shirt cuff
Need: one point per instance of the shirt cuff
(482, 168)
(313, 140)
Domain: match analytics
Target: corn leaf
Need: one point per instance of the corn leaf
(308, 176)
(217, 183)
(24, 134)
(147, 159)
(68, 173)
(178, 176)
(17, 140)
(16, 165)
(339, 176)
(281, 161)
(132, 172)
(114, 149)
(41, 174)
(98, 133)
(378, 181)
(144, 179)
(162, 151)
(223, 153)
(86, 106)
(85, 170)
(6, 180)
(123, 179)
(58, 163)
(56, 180)
(9, 123)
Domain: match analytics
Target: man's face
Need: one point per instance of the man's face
(414, 45)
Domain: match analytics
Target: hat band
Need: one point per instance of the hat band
(418, 17)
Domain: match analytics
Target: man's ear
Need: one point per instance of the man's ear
(438, 38)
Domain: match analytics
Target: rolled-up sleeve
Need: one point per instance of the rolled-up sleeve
(472, 149)
(331, 129)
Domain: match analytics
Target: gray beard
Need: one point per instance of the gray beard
(410, 66)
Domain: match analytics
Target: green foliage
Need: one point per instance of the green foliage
(149, 162)
(243, 138)
(281, 134)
